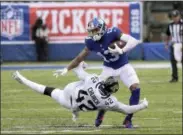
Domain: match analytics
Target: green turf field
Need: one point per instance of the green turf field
(25, 111)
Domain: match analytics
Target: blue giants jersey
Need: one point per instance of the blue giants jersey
(114, 61)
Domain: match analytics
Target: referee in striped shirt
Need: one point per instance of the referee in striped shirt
(175, 37)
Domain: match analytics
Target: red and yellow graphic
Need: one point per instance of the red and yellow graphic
(68, 22)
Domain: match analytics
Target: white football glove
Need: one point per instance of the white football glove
(144, 102)
(59, 72)
(83, 64)
(116, 50)
(63, 72)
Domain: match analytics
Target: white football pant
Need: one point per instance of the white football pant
(126, 73)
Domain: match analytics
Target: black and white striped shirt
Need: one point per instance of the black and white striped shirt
(175, 30)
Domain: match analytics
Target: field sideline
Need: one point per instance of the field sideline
(24, 111)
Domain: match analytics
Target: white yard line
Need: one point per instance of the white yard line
(80, 119)
(78, 131)
(157, 65)
(30, 102)
(36, 109)
(149, 118)
(65, 110)
(142, 66)
(177, 112)
(49, 131)
(11, 118)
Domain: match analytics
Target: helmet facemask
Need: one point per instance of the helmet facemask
(111, 85)
(96, 30)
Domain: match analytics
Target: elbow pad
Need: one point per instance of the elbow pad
(131, 42)
(125, 37)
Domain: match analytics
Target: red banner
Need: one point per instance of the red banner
(68, 22)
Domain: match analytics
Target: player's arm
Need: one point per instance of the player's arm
(127, 109)
(75, 62)
(131, 42)
(80, 72)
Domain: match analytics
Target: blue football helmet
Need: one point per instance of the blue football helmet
(96, 28)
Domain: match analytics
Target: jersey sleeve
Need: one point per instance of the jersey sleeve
(116, 32)
(81, 73)
(168, 31)
(87, 43)
(91, 79)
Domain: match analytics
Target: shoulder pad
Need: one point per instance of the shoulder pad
(87, 38)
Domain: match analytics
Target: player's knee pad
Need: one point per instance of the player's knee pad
(48, 91)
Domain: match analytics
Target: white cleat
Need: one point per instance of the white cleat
(17, 76)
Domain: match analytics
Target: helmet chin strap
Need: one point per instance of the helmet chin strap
(103, 92)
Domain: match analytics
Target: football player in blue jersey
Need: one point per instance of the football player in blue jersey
(115, 60)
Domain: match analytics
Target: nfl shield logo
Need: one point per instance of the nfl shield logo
(11, 22)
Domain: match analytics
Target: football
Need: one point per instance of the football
(119, 43)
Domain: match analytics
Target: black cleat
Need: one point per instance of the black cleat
(173, 80)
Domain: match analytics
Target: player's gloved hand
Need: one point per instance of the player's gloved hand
(83, 64)
(60, 72)
(116, 50)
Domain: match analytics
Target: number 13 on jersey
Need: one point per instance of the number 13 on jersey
(113, 57)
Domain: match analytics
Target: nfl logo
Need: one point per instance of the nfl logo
(11, 22)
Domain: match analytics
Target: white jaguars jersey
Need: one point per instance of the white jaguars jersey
(88, 97)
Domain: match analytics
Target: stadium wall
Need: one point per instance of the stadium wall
(66, 37)
(57, 52)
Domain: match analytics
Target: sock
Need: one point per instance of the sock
(134, 100)
(35, 86)
(100, 114)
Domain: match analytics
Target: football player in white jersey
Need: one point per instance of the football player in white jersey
(89, 94)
